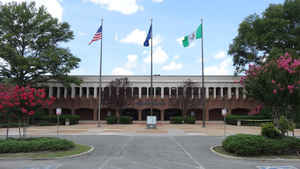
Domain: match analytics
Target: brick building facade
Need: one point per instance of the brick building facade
(220, 92)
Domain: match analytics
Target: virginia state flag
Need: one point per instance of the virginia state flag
(149, 36)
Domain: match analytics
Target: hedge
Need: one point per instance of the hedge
(189, 120)
(73, 118)
(232, 119)
(125, 120)
(255, 145)
(177, 120)
(112, 120)
(25, 145)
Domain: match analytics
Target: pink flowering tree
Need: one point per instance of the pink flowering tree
(276, 84)
(22, 102)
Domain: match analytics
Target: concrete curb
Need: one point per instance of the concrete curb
(92, 148)
(250, 158)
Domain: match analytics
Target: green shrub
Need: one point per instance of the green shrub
(177, 120)
(285, 125)
(12, 125)
(13, 145)
(73, 118)
(254, 145)
(125, 120)
(232, 119)
(112, 120)
(269, 130)
(189, 120)
(52, 119)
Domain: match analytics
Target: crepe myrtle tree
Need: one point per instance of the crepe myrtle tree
(275, 84)
(22, 102)
(31, 49)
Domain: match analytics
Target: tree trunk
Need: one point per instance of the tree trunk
(7, 127)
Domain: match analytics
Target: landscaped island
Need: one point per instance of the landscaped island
(40, 147)
(271, 142)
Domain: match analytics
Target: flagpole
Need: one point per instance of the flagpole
(202, 88)
(100, 79)
(151, 81)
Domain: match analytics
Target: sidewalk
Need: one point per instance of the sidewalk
(139, 129)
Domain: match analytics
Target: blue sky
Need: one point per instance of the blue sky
(127, 21)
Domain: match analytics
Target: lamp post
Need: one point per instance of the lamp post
(224, 112)
(58, 113)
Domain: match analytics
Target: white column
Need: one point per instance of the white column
(154, 91)
(237, 92)
(221, 92)
(192, 89)
(170, 89)
(229, 92)
(65, 92)
(215, 92)
(58, 92)
(95, 92)
(244, 93)
(140, 92)
(80, 92)
(162, 92)
(147, 92)
(50, 91)
(73, 92)
(207, 92)
(132, 91)
(87, 92)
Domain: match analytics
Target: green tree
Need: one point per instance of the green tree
(30, 46)
(271, 34)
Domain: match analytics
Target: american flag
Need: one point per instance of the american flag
(97, 36)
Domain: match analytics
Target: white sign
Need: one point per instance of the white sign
(58, 111)
(224, 112)
(151, 119)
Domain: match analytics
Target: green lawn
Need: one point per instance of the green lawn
(49, 154)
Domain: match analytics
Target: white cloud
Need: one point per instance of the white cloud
(126, 70)
(172, 66)
(121, 71)
(220, 55)
(53, 6)
(131, 61)
(224, 68)
(176, 57)
(159, 56)
(116, 37)
(158, 1)
(135, 37)
(126, 7)
(138, 37)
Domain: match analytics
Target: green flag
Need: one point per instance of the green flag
(191, 37)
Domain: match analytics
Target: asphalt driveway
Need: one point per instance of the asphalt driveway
(145, 152)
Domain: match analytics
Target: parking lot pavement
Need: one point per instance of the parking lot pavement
(145, 152)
